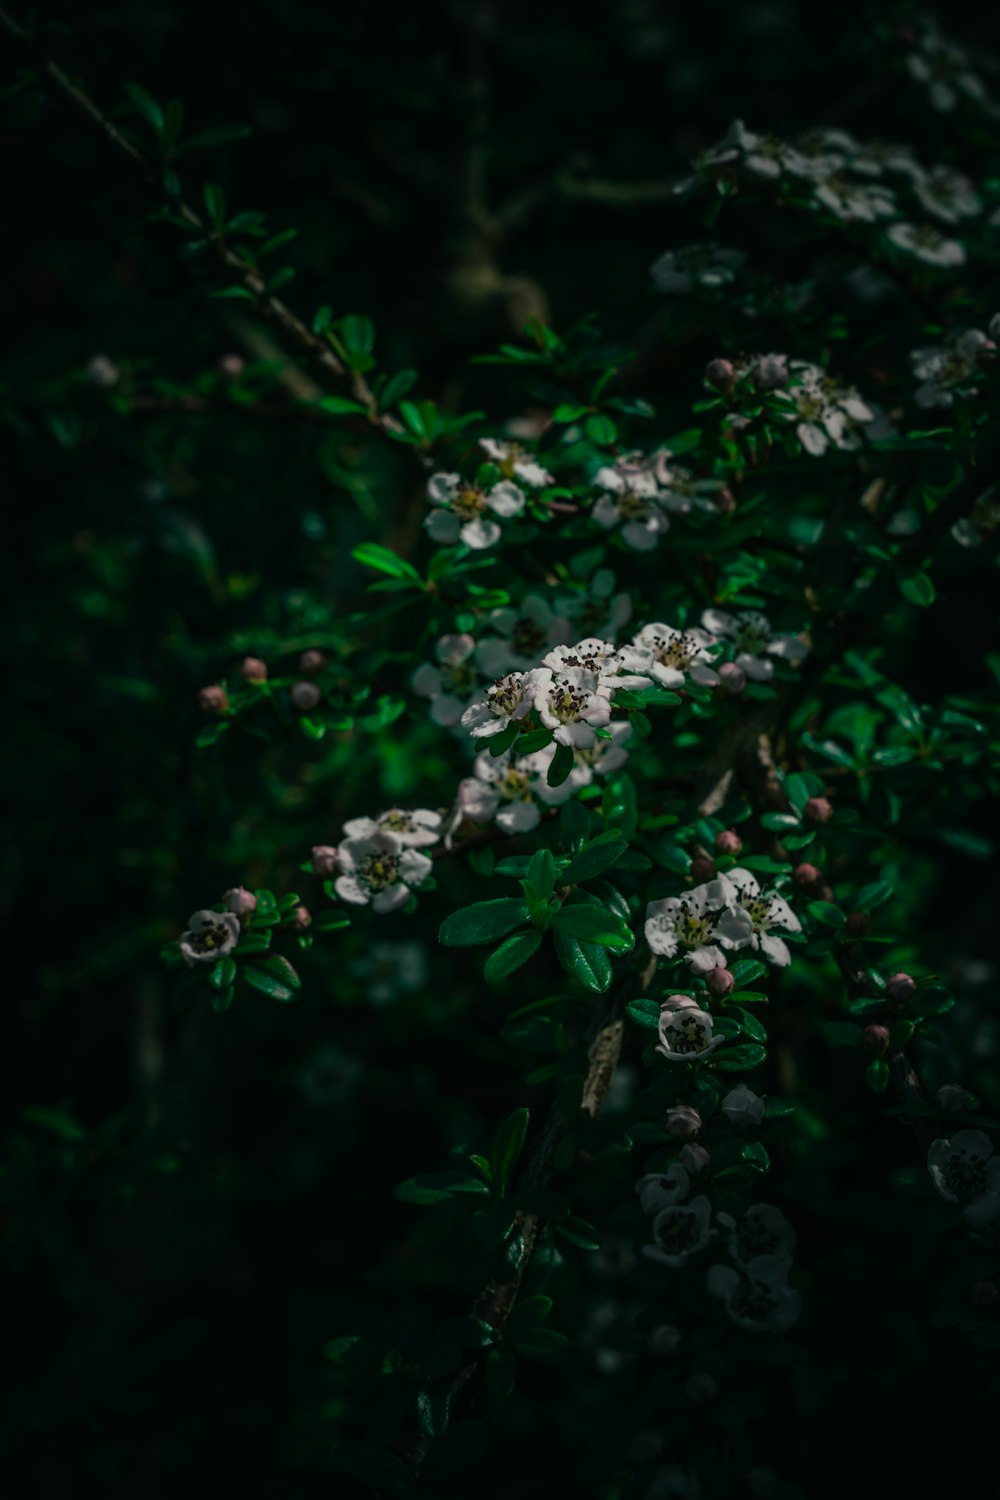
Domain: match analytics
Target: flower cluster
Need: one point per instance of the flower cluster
(706, 923)
(639, 492)
(945, 369)
(380, 861)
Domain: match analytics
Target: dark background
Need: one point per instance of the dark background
(194, 1204)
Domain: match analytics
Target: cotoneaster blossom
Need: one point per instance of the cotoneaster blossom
(413, 827)
(761, 1230)
(945, 71)
(926, 243)
(754, 641)
(671, 656)
(604, 756)
(699, 925)
(964, 1170)
(855, 202)
(757, 1296)
(452, 685)
(659, 1190)
(630, 501)
(741, 1106)
(573, 704)
(948, 195)
(708, 265)
(766, 911)
(941, 368)
(515, 462)
(210, 935)
(507, 789)
(467, 513)
(505, 701)
(680, 1231)
(825, 413)
(610, 664)
(522, 636)
(379, 870)
(685, 1035)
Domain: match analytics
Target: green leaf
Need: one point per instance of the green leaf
(507, 1145)
(535, 739)
(827, 913)
(483, 922)
(337, 406)
(259, 979)
(918, 589)
(743, 1057)
(223, 973)
(593, 924)
(396, 387)
(384, 561)
(560, 765)
(877, 1075)
(503, 740)
(215, 204)
(746, 970)
(601, 430)
(280, 969)
(511, 955)
(337, 1350)
(542, 874)
(587, 963)
(579, 1232)
(147, 107)
(435, 1187)
(501, 1371)
(599, 855)
(330, 920)
(755, 1155)
(357, 334)
(644, 1012)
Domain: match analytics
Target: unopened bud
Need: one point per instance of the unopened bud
(732, 678)
(702, 869)
(700, 1387)
(720, 373)
(683, 1122)
(952, 1098)
(304, 696)
(252, 669)
(240, 901)
(720, 983)
(900, 987)
(876, 1038)
(806, 876)
(213, 699)
(985, 1296)
(694, 1159)
(311, 663)
(301, 918)
(232, 366)
(664, 1341)
(324, 859)
(857, 924)
(818, 810)
(728, 841)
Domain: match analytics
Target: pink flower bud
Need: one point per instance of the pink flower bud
(232, 366)
(702, 869)
(857, 924)
(324, 859)
(818, 810)
(700, 1387)
(985, 1296)
(213, 699)
(240, 901)
(720, 374)
(720, 983)
(305, 695)
(311, 663)
(952, 1098)
(728, 841)
(664, 1341)
(900, 987)
(694, 1159)
(876, 1038)
(252, 669)
(732, 678)
(806, 876)
(301, 918)
(683, 1122)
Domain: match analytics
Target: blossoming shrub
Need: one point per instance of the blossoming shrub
(632, 784)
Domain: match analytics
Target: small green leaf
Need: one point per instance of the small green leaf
(511, 955)
(743, 1057)
(599, 855)
(594, 924)
(877, 1075)
(507, 1146)
(483, 922)
(258, 979)
(560, 765)
(827, 913)
(383, 560)
(222, 973)
(918, 589)
(587, 963)
(644, 1012)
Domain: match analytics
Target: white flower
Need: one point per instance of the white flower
(707, 265)
(762, 1230)
(506, 789)
(514, 462)
(741, 1106)
(947, 194)
(674, 655)
(380, 870)
(823, 410)
(686, 1034)
(660, 1190)
(210, 934)
(603, 756)
(609, 663)
(942, 367)
(465, 512)
(764, 156)
(680, 1231)
(412, 827)
(964, 1170)
(630, 502)
(701, 922)
(944, 69)
(522, 636)
(754, 641)
(757, 1297)
(927, 244)
(680, 492)
(454, 684)
(855, 202)
(573, 704)
(506, 700)
(600, 611)
(765, 910)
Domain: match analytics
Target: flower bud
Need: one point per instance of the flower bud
(311, 663)
(702, 869)
(732, 678)
(324, 859)
(806, 876)
(232, 366)
(102, 372)
(900, 987)
(770, 372)
(213, 699)
(664, 1341)
(252, 669)
(720, 374)
(694, 1159)
(985, 1296)
(305, 695)
(700, 1387)
(720, 983)
(240, 901)
(683, 1122)
(857, 924)
(301, 918)
(876, 1038)
(818, 810)
(952, 1098)
(728, 841)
